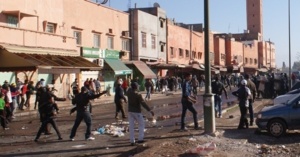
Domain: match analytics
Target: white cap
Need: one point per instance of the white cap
(244, 82)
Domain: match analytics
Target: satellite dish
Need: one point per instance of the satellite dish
(156, 5)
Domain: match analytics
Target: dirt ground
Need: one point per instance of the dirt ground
(229, 141)
(160, 142)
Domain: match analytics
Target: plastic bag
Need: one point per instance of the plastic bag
(204, 149)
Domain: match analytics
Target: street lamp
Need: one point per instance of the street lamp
(290, 66)
(208, 99)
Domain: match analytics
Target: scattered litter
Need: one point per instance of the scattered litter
(113, 130)
(24, 127)
(95, 133)
(107, 148)
(192, 139)
(78, 146)
(204, 149)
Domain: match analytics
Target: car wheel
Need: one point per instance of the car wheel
(277, 127)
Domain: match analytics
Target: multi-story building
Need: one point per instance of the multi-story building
(148, 30)
(40, 32)
(185, 49)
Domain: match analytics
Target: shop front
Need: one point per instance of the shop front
(36, 63)
(142, 71)
(114, 68)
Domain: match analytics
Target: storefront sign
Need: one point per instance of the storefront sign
(90, 52)
(112, 54)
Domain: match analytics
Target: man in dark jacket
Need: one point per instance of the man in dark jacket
(48, 109)
(217, 88)
(252, 88)
(120, 99)
(82, 101)
(135, 103)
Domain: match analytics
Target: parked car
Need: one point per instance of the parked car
(296, 85)
(278, 118)
(288, 96)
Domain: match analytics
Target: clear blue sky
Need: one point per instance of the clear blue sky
(229, 16)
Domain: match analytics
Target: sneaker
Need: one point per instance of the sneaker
(140, 141)
(184, 129)
(60, 138)
(6, 128)
(90, 139)
(72, 139)
(35, 140)
(220, 116)
(133, 144)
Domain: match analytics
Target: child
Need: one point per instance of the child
(2, 115)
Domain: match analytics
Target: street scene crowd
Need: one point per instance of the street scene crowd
(17, 96)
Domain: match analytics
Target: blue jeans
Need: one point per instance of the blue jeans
(218, 104)
(186, 105)
(148, 93)
(86, 116)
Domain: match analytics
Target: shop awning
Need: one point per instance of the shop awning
(143, 68)
(44, 63)
(118, 66)
(195, 66)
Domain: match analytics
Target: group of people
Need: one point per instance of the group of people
(14, 96)
(135, 103)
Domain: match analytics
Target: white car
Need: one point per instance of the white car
(288, 96)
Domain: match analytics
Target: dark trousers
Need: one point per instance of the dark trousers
(45, 122)
(21, 105)
(186, 105)
(27, 102)
(86, 116)
(3, 119)
(251, 114)
(37, 98)
(119, 107)
(243, 119)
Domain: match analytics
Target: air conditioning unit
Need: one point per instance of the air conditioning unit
(110, 31)
(125, 33)
(100, 62)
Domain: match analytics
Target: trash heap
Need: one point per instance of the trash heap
(113, 130)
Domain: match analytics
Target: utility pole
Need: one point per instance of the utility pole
(208, 97)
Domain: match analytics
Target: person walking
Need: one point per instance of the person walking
(217, 88)
(135, 104)
(29, 92)
(75, 87)
(83, 112)
(243, 94)
(187, 101)
(149, 87)
(2, 112)
(120, 99)
(252, 97)
(48, 113)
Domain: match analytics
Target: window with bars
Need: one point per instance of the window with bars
(77, 35)
(12, 21)
(110, 42)
(50, 28)
(144, 41)
(199, 55)
(153, 42)
(125, 45)
(97, 40)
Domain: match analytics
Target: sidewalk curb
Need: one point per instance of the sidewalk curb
(67, 105)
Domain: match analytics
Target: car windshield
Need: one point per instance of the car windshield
(294, 91)
(293, 99)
